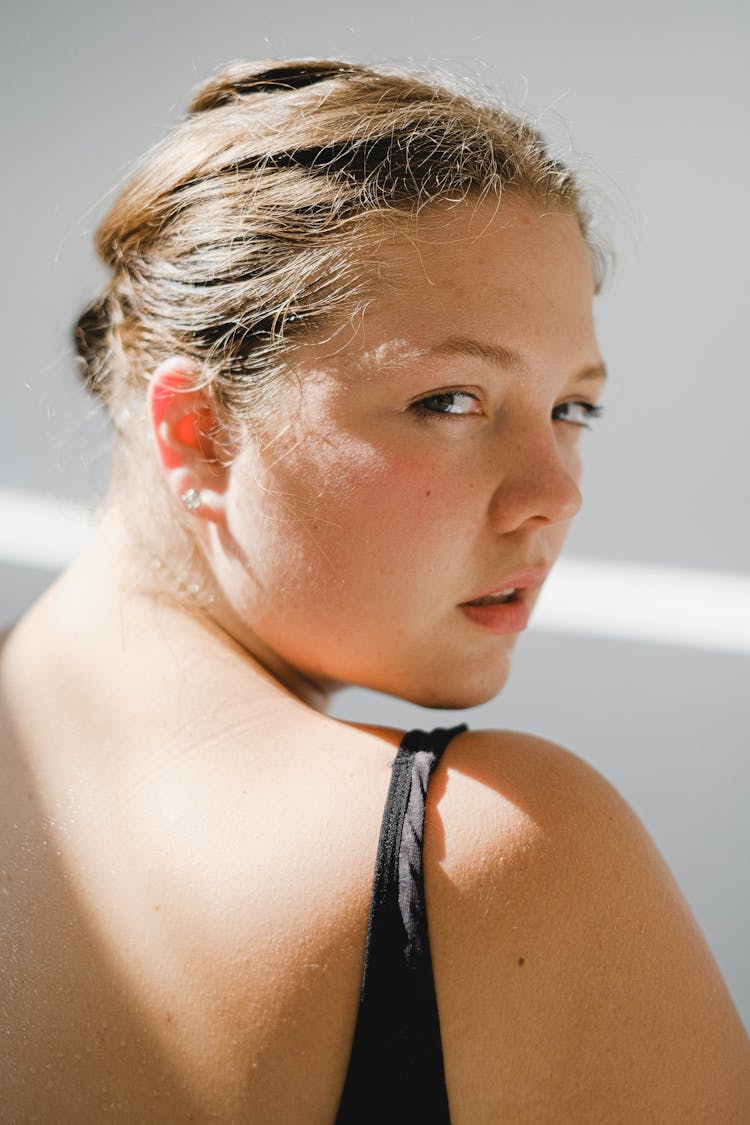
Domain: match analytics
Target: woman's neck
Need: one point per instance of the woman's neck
(120, 578)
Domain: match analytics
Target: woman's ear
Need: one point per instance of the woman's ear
(183, 423)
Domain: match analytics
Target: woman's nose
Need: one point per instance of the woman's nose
(538, 485)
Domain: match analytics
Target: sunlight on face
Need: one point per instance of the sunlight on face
(429, 457)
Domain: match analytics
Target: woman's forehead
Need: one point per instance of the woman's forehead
(474, 280)
(451, 276)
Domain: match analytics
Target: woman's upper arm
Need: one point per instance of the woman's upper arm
(573, 982)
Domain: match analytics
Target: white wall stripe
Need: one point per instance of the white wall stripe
(41, 531)
(622, 601)
(660, 605)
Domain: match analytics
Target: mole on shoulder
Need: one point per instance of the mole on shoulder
(521, 960)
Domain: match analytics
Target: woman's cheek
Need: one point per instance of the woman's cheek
(345, 513)
(354, 481)
(407, 487)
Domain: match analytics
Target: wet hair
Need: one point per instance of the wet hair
(254, 225)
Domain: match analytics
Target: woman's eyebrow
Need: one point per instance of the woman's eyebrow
(598, 371)
(498, 355)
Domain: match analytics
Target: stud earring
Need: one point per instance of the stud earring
(191, 499)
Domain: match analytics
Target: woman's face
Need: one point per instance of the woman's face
(423, 458)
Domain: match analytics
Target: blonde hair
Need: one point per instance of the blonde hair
(250, 227)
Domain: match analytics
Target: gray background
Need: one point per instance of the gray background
(653, 99)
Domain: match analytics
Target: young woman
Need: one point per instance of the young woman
(348, 350)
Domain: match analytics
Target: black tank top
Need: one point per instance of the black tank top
(396, 1067)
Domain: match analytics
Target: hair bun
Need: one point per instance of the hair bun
(242, 80)
(91, 337)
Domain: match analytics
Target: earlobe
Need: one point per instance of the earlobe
(183, 424)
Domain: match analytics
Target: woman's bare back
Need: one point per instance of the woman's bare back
(187, 875)
(186, 892)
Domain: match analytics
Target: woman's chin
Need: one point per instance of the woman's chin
(459, 692)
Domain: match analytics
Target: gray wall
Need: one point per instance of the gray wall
(654, 98)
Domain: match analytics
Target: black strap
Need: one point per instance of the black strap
(396, 1067)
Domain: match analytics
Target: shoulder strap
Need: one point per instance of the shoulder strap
(396, 1066)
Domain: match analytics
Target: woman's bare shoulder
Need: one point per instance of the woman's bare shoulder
(573, 982)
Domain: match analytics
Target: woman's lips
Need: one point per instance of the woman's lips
(505, 617)
(501, 616)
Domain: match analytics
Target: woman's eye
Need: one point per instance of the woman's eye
(446, 402)
(577, 413)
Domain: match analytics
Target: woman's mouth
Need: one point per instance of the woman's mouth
(501, 613)
(507, 609)
(501, 598)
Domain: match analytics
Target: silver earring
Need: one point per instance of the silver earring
(191, 499)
